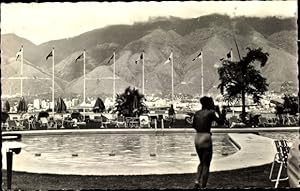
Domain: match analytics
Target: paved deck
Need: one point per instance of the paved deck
(254, 150)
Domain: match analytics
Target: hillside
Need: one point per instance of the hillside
(31, 86)
(158, 37)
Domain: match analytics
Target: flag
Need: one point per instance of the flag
(199, 56)
(79, 57)
(141, 58)
(19, 53)
(229, 54)
(49, 55)
(110, 59)
(169, 59)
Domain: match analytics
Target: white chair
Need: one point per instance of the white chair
(281, 158)
(44, 122)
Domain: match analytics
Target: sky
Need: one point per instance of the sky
(42, 22)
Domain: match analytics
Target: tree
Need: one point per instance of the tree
(130, 103)
(290, 104)
(240, 78)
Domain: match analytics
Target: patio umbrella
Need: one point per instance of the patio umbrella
(278, 101)
(76, 115)
(99, 106)
(22, 106)
(4, 117)
(6, 106)
(43, 114)
(60, 106)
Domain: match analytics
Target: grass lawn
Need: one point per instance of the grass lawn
(253, 177)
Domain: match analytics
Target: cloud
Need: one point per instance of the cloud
(41, 22)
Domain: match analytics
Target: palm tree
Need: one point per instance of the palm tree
(241, 78)
(130, 103)
(290, 104)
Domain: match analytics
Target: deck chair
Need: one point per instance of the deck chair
(271, 121)
(75, 123)
(233, 119)
(264, 122)
(20, 125)
(52, 124)
(285, 120)
(292, 121)
(11, 125)
(44, 122)
(275, 120)
(121, 122)
(280, 158)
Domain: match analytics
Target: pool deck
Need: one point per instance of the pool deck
(254, 150)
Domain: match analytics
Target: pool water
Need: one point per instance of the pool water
(126, 149)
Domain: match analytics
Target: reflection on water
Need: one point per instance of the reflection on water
(131, 149)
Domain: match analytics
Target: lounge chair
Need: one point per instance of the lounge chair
(265, 122)
(280, 157)
(235, 122)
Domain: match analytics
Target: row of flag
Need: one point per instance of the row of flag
(51, 54)
(19, 54)
(228, 55)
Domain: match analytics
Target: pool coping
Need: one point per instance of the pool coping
(154, 131)
(251, 153)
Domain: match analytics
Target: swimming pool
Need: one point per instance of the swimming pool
(107, 152)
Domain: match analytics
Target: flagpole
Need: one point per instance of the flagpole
(143, 73)
(172, 78)
(84, 76)
(114, 88)
(84, 84)
(22, 71)
(202, 87)
(234, 36)
(53, 81)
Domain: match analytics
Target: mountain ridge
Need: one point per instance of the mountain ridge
(185, 37)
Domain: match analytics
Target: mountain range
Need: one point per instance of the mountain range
(213, 34)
